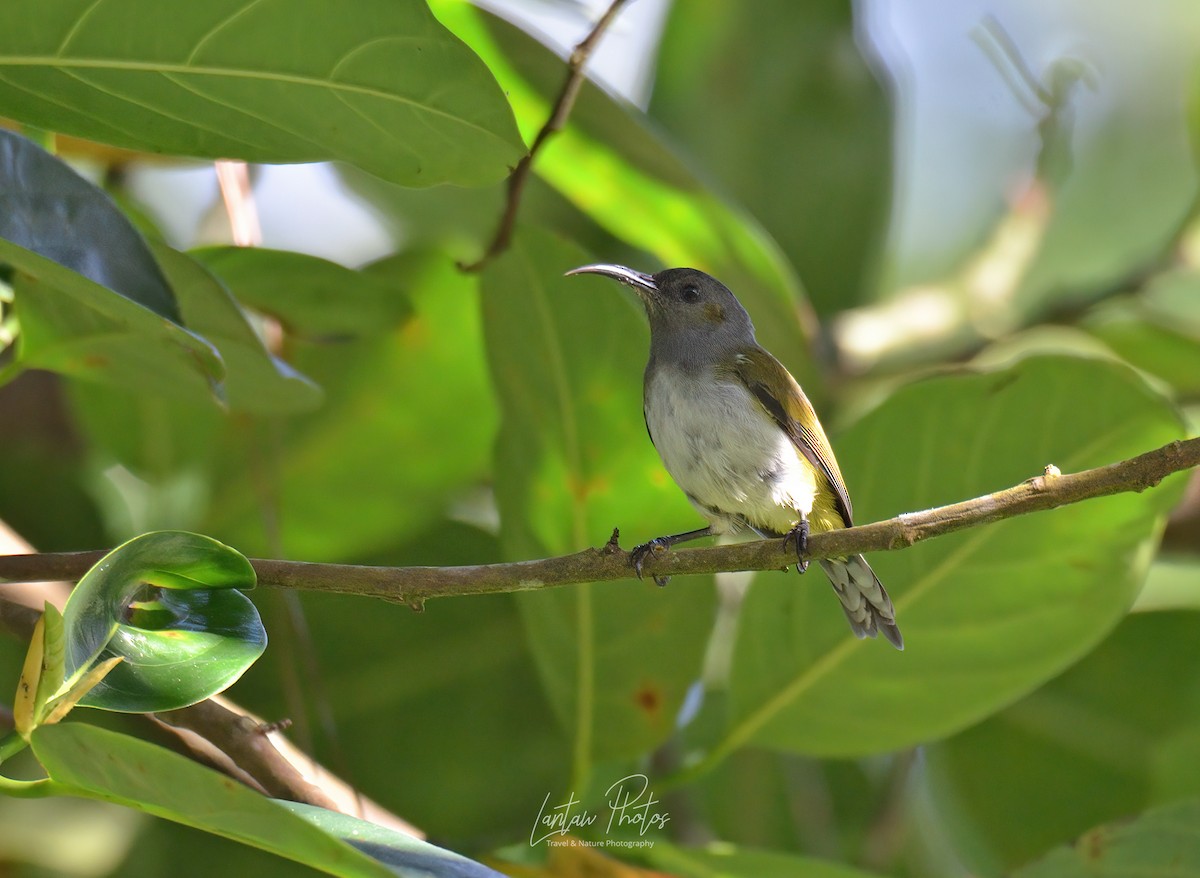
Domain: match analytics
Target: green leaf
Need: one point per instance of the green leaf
(1165, 841)
(988, 613)
(401, 853)
(1170, 585)
(48, 208)
(1115, 732)
(309, 296)
(257, 381)
(72, 326)
(1157, 330)
(818, 174)
(573, 461)
(609, 162)
(378, 83)
(189, 637)
(98, 764)
(729, 861)
(90, 299)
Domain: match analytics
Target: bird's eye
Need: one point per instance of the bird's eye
(690, 293)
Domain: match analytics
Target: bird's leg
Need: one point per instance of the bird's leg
(799, 535)
(660, 544)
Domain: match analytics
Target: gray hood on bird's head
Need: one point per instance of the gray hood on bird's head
(694, 318)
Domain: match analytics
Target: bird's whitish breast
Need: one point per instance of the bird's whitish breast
(722, 449)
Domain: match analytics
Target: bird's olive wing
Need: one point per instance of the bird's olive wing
(779, 393)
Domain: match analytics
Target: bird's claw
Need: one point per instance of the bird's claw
(637, 558)
(799, 535)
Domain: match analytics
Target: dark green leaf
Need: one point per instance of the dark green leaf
(99, 764)
(379, 83)
(1164, 842)
(48, 208)
(310, 296)
(572, 462)
(90, 299)
(190, 636)
(988, 613)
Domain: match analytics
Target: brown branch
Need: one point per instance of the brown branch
(414, 585)
(558, 118)
(236, 742)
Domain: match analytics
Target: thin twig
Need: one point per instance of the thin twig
(414, 585)
(558, 118)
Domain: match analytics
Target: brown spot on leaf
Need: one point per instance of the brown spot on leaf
(649, 699)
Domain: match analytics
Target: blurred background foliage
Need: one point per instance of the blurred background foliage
(969, 228)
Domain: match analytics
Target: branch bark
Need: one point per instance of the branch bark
(414, 585)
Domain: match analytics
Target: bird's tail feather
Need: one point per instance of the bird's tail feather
(863, 598)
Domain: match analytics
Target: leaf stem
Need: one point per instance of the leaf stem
(10, 745)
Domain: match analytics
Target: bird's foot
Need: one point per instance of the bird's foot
(638, 557)
(799, 535)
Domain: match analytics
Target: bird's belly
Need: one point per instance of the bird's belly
(730, 457)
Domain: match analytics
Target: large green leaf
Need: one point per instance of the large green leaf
(611, 164)
(1115, 734)
(98, 764)
(817, 170)
(988, 613)
(572, 462)
(189, 636)
(309, 296)
(1163, 842)
(378, 83)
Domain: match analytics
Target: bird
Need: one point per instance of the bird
(738, 435)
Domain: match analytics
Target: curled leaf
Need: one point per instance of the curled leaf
(170, 604)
